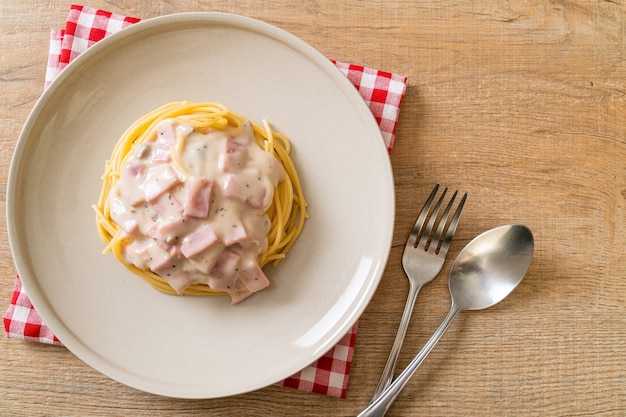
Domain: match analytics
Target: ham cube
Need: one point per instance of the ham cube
(218, 283)
(232, 161)
(252, 276)
(227, 264)
(174, 276)
(137, 253)
(232, 187)
(131, 181)
(235, 155)
(146, 254)
(225, 273)
(198, 197)
(124, 218)
(236, 234)
(198, 241)
(160, 179)
(136, 169)
(233, 145)
(205, 261)
(166, 138)
(248, 186)
(239, 296)
(168, 234)
(242, 140)
(153, 231)
(168, 207)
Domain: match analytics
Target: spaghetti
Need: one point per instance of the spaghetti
(186, 122)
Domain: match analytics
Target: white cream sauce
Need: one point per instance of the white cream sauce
(193, 205)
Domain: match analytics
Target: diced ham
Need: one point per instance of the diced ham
(159, 258)
(136, 169)
(232, 161)
(235, 155)
(130, 182)
(168, 234)
(243, 139)
(205, 261)
(166, 138)
(172, 274)
(221, 283)
(198, 197)
(153, 230)
(167, 206)
(227, 264)
(237, 277)
(233, 146)
(252, 276)
(160, 179)
(223, 277)
(198, 241)
(124, 218)
(257, 231)
(240, 142)
(162, 263)
(238, 296)
(146, 254)
(171, 231)
(248, 186)
(236, 233)
(138, 253)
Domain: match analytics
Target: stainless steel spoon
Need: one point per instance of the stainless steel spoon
(483, 274)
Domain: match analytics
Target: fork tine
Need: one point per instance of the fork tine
(419, 223)
(426, 234)
(435, 246)
(445, 244)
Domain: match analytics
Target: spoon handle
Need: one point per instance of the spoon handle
(379, 407)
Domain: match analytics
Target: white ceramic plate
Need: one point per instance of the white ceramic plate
(194, 347)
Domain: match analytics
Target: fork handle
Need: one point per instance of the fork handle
(390, 366)
(379, 407)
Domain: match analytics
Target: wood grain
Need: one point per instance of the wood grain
(522, 104)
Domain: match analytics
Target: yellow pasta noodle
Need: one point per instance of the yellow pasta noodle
(287, 211)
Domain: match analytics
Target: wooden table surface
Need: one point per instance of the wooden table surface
(522, 104)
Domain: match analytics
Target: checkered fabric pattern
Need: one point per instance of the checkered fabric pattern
(329, 374)
(86, 26)
(53, 68)
(23, 322)
(382, 91)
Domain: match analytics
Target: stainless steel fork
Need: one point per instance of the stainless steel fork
(422, 260)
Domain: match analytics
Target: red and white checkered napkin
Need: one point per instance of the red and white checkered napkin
(382, 91)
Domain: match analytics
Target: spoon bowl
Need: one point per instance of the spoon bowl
(484, 273)
(490, 267)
